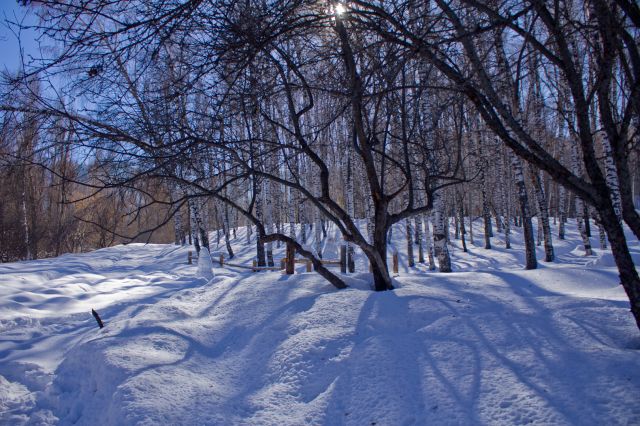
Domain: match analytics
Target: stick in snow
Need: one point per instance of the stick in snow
(97, 317)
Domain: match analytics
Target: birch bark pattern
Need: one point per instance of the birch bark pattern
(194, 225)
(505, 194)
(350, 208)
(439, 237)
(580, 204)
(529, 243)
(543, 211)
(562, 211)
(268, 218)
(409, 235)
(428, 242)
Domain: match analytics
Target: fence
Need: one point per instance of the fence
(287, 263)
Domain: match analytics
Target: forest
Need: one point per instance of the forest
(459, 136)
(147, 119)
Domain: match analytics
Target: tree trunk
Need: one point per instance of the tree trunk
(628, 274)
(562, 211)
(603, 234)
(462, 230)
(439, 237)
(225, 228)
(410, 260)
(505, 194)
(429, 243)
(587, 222)
(260, 252)
(290, 262)
(529, 243)
(378, 254)
(486, 216)
(543, 210)
(25, 224)
(178, 227)
(581, 227)
(268, 218)
(194, 225)
(419, 237)
(579, 204)
(349, 197)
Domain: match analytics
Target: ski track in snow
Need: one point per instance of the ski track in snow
(489, 343)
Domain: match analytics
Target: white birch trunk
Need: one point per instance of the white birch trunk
(317, 220)
(580, 205)
(25, 221)
(439, 236)
(409, 228)
(194, 226)
(611, 178)
(506, 202)
(562, 211)
(268, 218)
(225, 229)
(419, 234)
(350, 207)
(530, 249)
(544, 227)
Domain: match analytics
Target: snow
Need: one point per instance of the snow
(205, 265)
(489, 343)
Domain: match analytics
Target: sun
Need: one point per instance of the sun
(340, 9)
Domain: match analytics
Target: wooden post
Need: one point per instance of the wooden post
(308, 266)
(189, 258)
(343, 259)
(253, 265)
(282, 263)
(395, 262)
(290, 265)
(221, 260)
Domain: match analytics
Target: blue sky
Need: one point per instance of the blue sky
(9, 47)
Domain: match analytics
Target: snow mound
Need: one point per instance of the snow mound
(205, 266)
(606, 259)
(15, 398)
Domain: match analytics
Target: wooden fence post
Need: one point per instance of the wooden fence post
(282, 263)
(189, 258)
(308, 266)
(395, 262)
(253, 265)
(343, 259)
(290, 265)
(221, 260)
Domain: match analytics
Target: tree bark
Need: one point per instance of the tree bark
(529, 243)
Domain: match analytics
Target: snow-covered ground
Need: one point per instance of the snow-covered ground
(489, 343)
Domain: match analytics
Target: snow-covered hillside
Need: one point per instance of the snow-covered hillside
(489, 343)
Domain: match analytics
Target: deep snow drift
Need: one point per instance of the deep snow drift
(489, 343)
